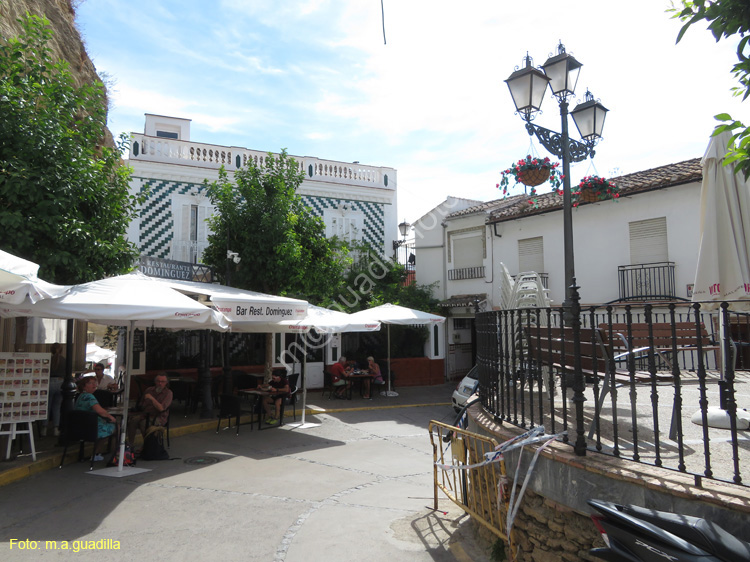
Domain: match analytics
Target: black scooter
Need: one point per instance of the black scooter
(636, 534)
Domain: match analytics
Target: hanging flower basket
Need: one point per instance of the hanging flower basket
(531, 171)
(593, 188)
(534, 177)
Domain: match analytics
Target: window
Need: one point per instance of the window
(468, 252)
(167, 135)
(344, 224)
(190, 231)
(531, 255)
(648, 241)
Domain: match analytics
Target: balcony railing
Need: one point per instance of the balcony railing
(466, 273)
(648, 281)
(172, 151)
(543, 276)
(638, 401)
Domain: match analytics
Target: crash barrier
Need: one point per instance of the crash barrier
(469, 469)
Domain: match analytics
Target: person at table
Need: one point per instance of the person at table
(339, 371)
(86, 401)
(104, 382)
(278, 389)
(153, 408)
(374, 369)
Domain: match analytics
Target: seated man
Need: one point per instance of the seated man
(279, 389)
(154, 406)
(339, 371)
(104, 382)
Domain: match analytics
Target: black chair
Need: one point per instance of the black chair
(291, 398)
(106, 398)
(182, 391)
(328, 384)
(166, 425)
(82, 426)
(229, 406)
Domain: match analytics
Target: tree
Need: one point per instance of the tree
(63, 195)
(727, 18)
(282, 245)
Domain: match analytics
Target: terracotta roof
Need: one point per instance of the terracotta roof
(489, 206)
(670, 175)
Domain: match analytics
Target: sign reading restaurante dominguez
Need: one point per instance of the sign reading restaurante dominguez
(167, 269)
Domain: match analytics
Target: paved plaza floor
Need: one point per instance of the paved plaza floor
(356, 485)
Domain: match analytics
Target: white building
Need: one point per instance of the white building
(357, 202)
(642, 245)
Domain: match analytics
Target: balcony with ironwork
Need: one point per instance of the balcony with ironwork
(647, 281)
(466, 273)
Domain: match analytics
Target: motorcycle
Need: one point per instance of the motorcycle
(637, 534)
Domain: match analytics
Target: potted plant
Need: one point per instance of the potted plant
(593, 188)
(532, 171)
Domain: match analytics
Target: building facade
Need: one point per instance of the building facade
(357, 202)
(642, 246)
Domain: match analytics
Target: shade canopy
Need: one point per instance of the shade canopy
(723, 269)
(127, 300)
(18, 280)
(248, 311)
(328, 321)
(394, 314)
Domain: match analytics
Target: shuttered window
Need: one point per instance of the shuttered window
(648, 241)
(531, 255)
(467, 252)
(190, 234)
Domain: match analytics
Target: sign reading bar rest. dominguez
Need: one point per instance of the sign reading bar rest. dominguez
(24, 387)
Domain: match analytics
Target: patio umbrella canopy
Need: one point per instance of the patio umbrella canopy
(394, 314)
(128, 300)
(18, 280)
(723, 270)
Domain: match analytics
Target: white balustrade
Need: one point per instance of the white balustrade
(171, 151)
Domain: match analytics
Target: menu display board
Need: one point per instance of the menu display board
(24, 386)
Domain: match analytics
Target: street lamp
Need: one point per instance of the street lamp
(403, 228)
(527, 88)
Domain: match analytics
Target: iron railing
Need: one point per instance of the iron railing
(648, 281)
(653, 400)
(466, 273)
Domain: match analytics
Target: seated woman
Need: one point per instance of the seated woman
(87, 402)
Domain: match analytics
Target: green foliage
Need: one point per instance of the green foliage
(63, 196)
(282, 245)
(726, 18)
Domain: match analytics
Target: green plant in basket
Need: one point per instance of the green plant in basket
(592, 189)
(531, 171)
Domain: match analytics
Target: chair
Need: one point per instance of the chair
(82, 426)
(328, 384)
(106, 398)
(181, 390)
(229, 405)
(166, 425)
(291, 399)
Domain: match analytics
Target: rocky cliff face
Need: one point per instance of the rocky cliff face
(66, 43)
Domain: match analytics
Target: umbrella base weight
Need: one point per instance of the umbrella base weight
(389, 393)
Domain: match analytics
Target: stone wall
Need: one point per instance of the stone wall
(553, 522)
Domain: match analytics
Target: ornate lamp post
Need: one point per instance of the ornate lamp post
(403, 228)
(527, 87)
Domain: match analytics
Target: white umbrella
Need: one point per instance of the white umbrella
(128, 300)
(18, 279)
(394, 314)
(326, 321)
(95, 354)
(723, 269)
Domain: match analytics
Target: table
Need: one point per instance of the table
(358, 376)
(258, 394)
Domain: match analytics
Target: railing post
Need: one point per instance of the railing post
(578, 382)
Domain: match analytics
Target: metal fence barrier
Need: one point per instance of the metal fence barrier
(648, 383)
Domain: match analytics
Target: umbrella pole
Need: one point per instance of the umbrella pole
(126, 397)
(389, 392)
(304, 381)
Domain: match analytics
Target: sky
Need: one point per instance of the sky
(315, 77)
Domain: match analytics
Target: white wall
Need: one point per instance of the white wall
(601, 240)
